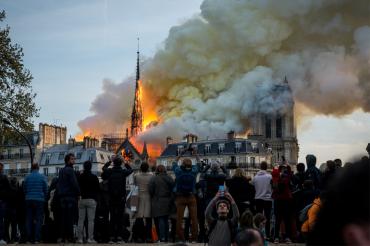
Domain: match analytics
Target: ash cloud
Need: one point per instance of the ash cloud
(218, 68)
(112, 109)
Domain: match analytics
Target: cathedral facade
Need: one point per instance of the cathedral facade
(278, 129)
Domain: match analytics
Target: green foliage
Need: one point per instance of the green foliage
(16, 94)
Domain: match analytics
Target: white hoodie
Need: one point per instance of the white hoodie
(262, 184)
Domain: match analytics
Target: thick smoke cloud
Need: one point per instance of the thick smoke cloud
(111, 109)
(218, 69)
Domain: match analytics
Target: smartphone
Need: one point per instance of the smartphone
(221, 189)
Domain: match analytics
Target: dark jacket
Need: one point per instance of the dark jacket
(4, 187)
(303, 198)
(241, 190)
(298, 180)
(313, 173)
(13, 195)
(89, 185)
(160, 190)
(326, 177)
(213, 180)
(35, 187)
(116, 175)
(67, 185)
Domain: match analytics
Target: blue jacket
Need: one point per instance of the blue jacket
(35, 187)
(195, 169)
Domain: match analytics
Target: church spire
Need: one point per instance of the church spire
(137, 116)
(137, 63)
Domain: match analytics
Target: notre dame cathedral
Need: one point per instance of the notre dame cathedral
(278, 130)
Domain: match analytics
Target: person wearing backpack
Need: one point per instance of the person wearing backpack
(311, 215)
(116, 178)
(222, 228)
(185, 194)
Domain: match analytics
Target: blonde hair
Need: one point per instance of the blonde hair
(239, 173)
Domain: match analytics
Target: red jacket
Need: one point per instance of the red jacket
(281, 184)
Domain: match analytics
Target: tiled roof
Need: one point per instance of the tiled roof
(56, 154)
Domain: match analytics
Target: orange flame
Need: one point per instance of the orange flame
(80, 136)
(150, 119)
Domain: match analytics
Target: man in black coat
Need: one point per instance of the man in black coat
(214, 179)
(68, 192)
(116, 178)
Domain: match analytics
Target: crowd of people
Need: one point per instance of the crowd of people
(194, 203)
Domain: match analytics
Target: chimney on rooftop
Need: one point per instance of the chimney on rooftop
(86, 142)
(191, 138)
(231, 135)
(168, 140)
(71, 142)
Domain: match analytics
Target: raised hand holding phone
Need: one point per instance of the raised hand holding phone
(221, 189)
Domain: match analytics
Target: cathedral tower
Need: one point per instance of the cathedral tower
(278, 130)
(137, 114)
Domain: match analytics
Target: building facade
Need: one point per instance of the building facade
(230, 152)
(15, 154)
(52, 159)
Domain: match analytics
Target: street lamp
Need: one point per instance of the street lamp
(7, 122)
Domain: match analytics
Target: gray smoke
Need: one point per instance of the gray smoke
(218, 68)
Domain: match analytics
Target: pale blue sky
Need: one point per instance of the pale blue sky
(71, 46)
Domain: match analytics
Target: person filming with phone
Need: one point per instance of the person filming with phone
(186, 175)
(222, 217)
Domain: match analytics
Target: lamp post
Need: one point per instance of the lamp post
(7, 122)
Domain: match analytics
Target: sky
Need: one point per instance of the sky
(71, 46)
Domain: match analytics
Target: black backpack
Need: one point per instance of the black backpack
(117, 184)
(185, 183)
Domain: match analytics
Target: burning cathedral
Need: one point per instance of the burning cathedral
(272, 138)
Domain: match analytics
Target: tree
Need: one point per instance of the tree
(16, 94)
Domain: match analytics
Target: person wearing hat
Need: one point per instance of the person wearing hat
(222, 228)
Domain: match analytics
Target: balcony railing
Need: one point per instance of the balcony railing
(17, 172)
(237, 165)
(15, 156)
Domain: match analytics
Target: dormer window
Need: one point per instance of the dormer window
(221, 148)
(47, 159)
(180, 148)
(207, 148)
(61, 155)
(254, 146)
(237, 147)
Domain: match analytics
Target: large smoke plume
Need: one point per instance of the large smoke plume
(218, 68)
